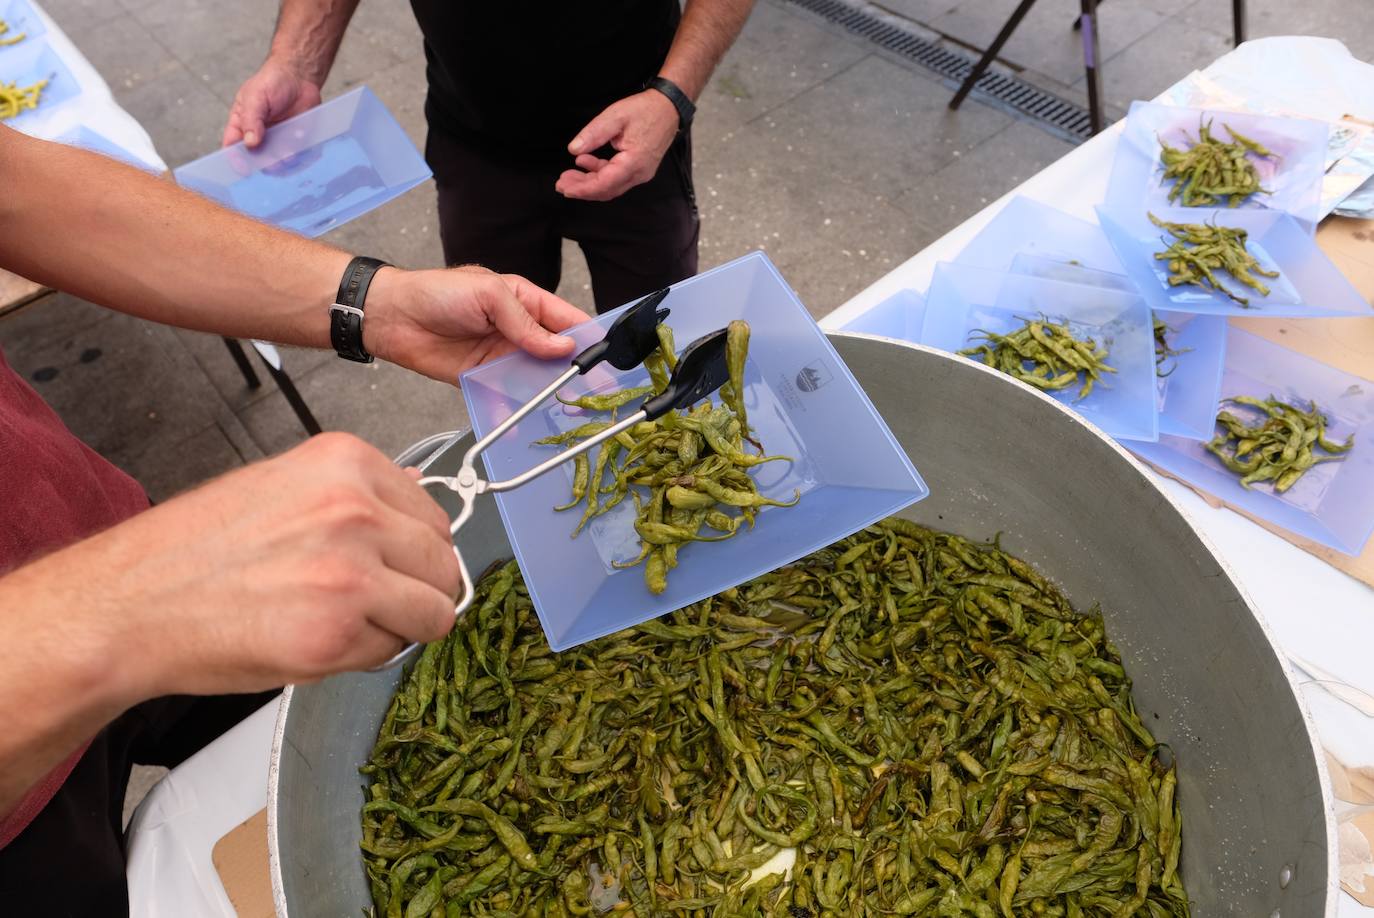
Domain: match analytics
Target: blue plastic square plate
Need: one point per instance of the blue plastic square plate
(1028, 227)
(1308, 285)
(316, 171)
(1334, 502)
(801, 399)
(22, 19)
(963, 300)
(87, 139)
(899, 316)
(30, 61)
(1189, 392)
(1294, 176)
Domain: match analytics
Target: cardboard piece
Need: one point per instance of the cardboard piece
(17, 292)
(240, 859)
(1346, 344)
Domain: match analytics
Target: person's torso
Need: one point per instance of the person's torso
(54, 490)
(523, 79)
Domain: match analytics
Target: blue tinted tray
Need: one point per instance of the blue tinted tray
(801, 398)
(1188, 395)
(1028, 227)
(87, 139)
(1309, 285)
(963, 300)
(30, 61)
(1294, 176)
(316, 171)
(899, 316)
(21, 17)
(1334, 502)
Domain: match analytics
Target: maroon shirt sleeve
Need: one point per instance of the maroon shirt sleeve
(54, 490)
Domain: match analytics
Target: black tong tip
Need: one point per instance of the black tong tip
(701, 370)
(630, 339)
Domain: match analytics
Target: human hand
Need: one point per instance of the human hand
(443, 322)
(274, 93)
(640, 127)
(323, 559)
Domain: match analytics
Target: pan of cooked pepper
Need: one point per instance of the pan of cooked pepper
(1038, 692)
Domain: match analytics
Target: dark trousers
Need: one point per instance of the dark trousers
(70, 860)
(506, 216)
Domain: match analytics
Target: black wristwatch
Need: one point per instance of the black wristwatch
(684, 106)
(346, 315)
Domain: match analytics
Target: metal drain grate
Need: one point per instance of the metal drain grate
(1057, 115)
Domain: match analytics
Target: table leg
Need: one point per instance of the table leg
(293, 397)
(1238, 19)
(981, 67)
(240, 358)
(1091, 63)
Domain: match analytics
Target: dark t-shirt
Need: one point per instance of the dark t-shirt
(521, 79)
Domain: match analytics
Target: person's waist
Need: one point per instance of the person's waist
(520, 134)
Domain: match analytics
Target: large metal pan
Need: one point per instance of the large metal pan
(1258, 833)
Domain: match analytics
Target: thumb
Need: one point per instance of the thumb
(600, 131)
(513, 315)
(253, 117)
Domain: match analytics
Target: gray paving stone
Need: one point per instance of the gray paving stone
(1262, 17)
(1045, 40)
(49, 321)
(1157, 61)
(384, 404)
(922, 11)
(575, 286)
(123, 51)
(876, 124)
(214, 360)
(830, 238)
(192, 29)
(970, 183)
(71, 14)
(225, 71)
(165, 472)
(754, 78)
(387, 25)
(402, 88)
(142, 393)
(183, 117)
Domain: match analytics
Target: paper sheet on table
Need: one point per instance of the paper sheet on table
(1301, 77)
(171, 873)
(94, 108)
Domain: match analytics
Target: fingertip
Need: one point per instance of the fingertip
(250, 138)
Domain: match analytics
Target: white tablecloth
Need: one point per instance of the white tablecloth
(1314, 611)
(95, 108)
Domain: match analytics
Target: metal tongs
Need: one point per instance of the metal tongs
(701, 369)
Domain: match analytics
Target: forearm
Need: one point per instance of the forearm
(63, 675)
(156, 251)
(309, 33)
(707, 30)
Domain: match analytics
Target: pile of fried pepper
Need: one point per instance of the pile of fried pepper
(1044, 354)
(1280, 447)
(687, 472)
(922, 721)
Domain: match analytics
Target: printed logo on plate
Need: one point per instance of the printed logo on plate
(812, 377)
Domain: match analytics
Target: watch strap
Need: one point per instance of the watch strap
(685, 108)
(346, 315)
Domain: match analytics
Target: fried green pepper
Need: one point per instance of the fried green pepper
(1280, 448)
(923, 720)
